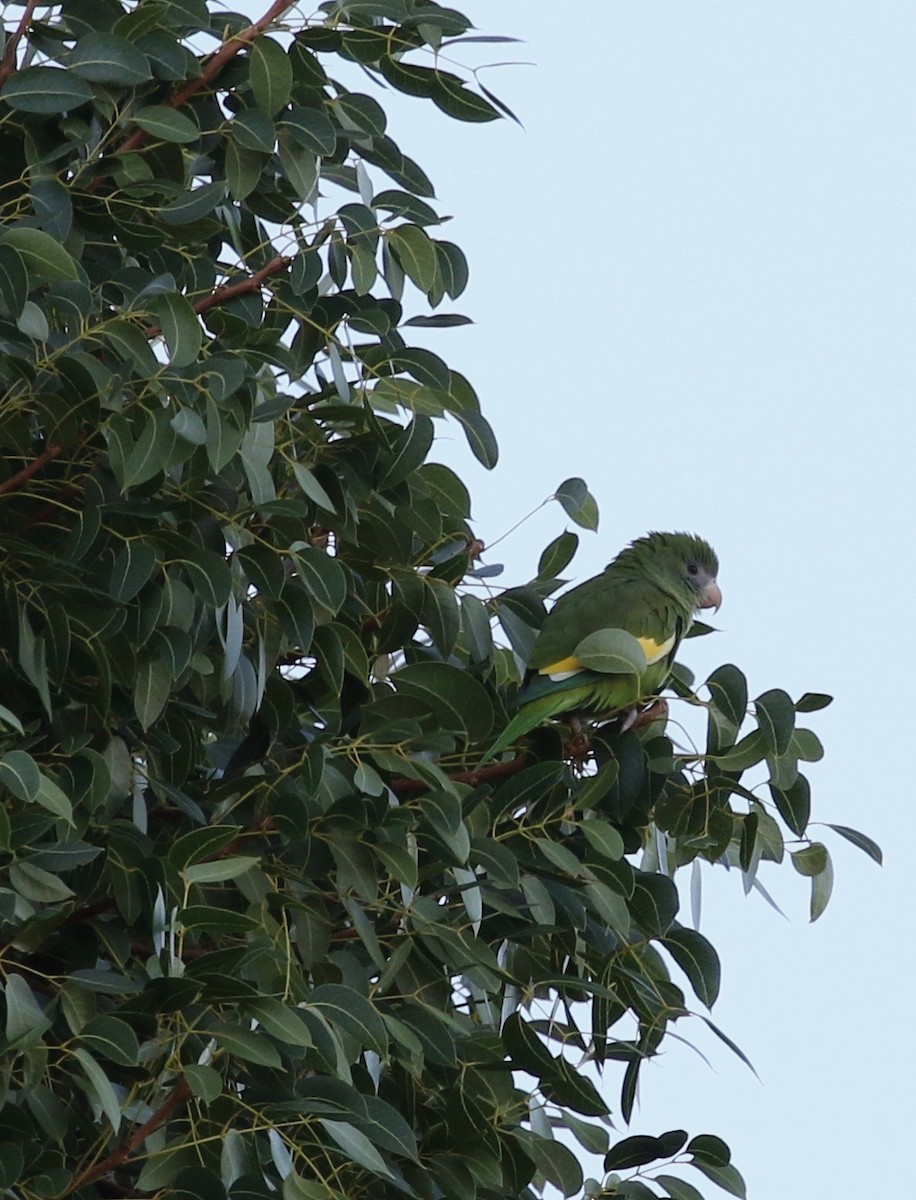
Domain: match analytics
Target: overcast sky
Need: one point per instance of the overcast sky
(692, 282)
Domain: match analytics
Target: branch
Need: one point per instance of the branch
(8, 65)
(114, 1160)
(16, 481)
(400, 785)
(229, 291)
(214, 65)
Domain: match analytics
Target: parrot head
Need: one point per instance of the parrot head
(682, 564)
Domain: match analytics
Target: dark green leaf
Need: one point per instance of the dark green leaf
(578, 503)
(45, 90)
(871, 848)
(698, 960)
(44, 257)
(776, 718)
(166, 123)
(107, 58)
(271, 74)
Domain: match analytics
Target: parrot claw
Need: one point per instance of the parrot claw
(628, 719)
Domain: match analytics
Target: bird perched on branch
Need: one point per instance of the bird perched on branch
(607, 646)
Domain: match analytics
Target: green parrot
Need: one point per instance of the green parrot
(583, 664)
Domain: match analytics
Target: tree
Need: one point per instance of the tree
(266, 927)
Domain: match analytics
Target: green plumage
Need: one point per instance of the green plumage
(651, 591)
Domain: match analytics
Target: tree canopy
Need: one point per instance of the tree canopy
(267, 929)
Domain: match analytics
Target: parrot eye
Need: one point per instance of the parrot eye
(692, 568)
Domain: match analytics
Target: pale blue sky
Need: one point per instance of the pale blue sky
(692, 277)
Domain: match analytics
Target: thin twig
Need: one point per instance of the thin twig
(8, 65)
(114, 1160)
(214, 65)
(16, 481)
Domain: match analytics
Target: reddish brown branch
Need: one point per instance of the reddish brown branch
(501, 770)
(229, 291)
(8, 65)
(16, 481)
(214, 65)
(114, 1160)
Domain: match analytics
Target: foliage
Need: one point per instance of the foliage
(265, 929)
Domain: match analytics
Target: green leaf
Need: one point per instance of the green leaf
(253, 129)
(205, 1083)
(750, 750)
(811, 860)
(727, 1178)
(45, 90)
(271, 75)
(776, 718)
(44, 257)
(416, 254)
(281, 1021)
(221, 870)
(678, 1189)
(311, 129)
(453, 268)
(356, 1146)
(33, 322)
(871, 848)
(19, 772)
(728, 689)
(812, 702)
(455, 99)
(192, 206)
(101, 1086)
(578, 503)
(556, 557)
(794, 804)
(353, 1013)
(166, 123)
(132, 568)
(323, 578)
(821, 889)
(612, 650)
(246, 1045)
(634, 1151)
(51, 797)
(113, 1038)
(556, 1163)
(480, 436)
(152, 688)
(38, 885)
(24, 1015)
(603, 838)
(697, 958)
(180, 327)
(14, 280)
(107, 58)
(312, 488)
(459, 702)
(708, 1148)
(209, 576)
(300, 165)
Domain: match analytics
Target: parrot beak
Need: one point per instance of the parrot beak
(711, 597)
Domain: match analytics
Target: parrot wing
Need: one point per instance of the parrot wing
(637, 605)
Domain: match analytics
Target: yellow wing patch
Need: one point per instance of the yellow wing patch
(655, 651)
(564, 665)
